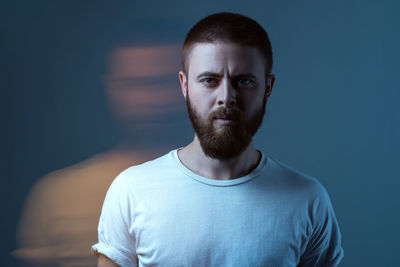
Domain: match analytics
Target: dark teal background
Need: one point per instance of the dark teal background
(333, 113)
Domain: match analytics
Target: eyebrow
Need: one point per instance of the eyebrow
(247, 75)
(214, 74)
(209, 74)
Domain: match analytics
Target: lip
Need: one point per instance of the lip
(224, 118)
(224, 121)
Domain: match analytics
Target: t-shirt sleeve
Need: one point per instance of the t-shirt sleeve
(324, 243)
(116, 238)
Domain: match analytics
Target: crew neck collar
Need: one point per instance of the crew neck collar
(213, 182)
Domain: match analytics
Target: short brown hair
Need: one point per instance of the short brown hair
(229, 27)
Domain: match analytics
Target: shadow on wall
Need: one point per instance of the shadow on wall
(59, 221)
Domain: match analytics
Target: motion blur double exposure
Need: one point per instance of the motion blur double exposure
(61, 214)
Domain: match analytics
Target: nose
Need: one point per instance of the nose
(227, 94)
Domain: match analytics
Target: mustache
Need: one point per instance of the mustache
(226, 113)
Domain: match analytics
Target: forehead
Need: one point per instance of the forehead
(222, 56)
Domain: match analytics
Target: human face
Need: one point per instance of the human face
(227, 96)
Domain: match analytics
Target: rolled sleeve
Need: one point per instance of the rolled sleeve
(120, 258)
(116, 239)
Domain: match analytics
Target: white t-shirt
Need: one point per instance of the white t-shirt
(161, 213)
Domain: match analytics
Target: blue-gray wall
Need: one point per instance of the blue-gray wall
(333, 112)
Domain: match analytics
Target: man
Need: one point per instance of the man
(219, 201)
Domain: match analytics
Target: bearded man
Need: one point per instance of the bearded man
(219, 201)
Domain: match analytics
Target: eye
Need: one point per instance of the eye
(245, 82)
(209, 81)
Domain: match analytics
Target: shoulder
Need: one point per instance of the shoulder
(304, 192)
(294, 180)
(144, 174)
(309, 194)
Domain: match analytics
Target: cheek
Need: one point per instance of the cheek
(201, 99)
(251, 98)
(252, 101)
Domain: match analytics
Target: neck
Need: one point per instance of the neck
(194, 158)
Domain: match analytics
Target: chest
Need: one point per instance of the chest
(228, 228)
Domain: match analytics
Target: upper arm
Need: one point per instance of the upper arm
(35, 244)
(103, 261)
(324, 244)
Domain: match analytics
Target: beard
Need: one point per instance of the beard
(230, 140)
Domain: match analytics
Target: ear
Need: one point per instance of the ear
(269, 84)
(183, 81)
